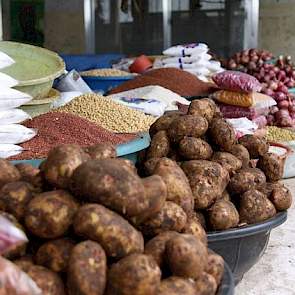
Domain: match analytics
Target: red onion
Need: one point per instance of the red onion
(276, 69)
(273, 85)
(290, 84)
(274, 109)
(283, 89)
(292, 109)
(270, 119)
(284, 104)
(281, 75)
(268, 92)
(279, 96)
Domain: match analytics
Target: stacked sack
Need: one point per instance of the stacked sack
(11, 132)
(239, 97)
(193, 58)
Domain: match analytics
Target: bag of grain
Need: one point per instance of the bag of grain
(9, 150)
(15, 134)
(11, 98)
(13, 116)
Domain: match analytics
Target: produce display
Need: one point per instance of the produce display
(278, 134)
(105, 73)
(94, 218)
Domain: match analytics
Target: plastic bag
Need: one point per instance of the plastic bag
(237, 81)
(65, 97)
(186, 50)
(7, 81)
(13, 116)
(187, 59)
(5, 60)
(9, 150)
(243, 126)
(15, 133)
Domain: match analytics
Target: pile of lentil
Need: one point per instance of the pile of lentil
(109, 114)
(105, 73)
(178, 81)
(61, 128)
(279, 134)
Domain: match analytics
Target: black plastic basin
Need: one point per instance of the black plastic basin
(242, 247)
(227, 286)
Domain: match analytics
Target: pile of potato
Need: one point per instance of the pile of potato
(96, 228)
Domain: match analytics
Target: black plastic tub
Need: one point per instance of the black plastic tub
(242, 247)
(227, 286)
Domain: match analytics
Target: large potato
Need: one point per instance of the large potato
(256, 146)
(223, 215)
(170, 218)
(206, 285)
(178, 188)
(246, 179)
(101, 151)
(186, 255)
(159, 146)
(8, 173)
(222, 134)
(203, 107)
(207, 179)
(60, 164)
(14, 198)
(118, 237)
(191, 148)
(215, 266)
(87, 272)
(227, 161)
(194, 227)
(49, 215)
(281, 197)
(136, 274)
(241, 153)
(272, 165)
(55, 254)
(187, 125)
(112, 184)
(176, 286)
(255, 207)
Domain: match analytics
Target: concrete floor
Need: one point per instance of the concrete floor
(274, 274)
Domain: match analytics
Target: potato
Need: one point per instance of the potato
(272, 165)
(24, 263)
(49, 215)
(188, 125)
(227, 161)
(191, 148)
(178, 188)
(156, 193)
(159, 146)
(186, 255)
(118, 237)
(206, 285)
(170, 218)
(281, 197)
(8, 173)
(176, 286)
(194, 228)
(55, 254)
(215, 266)
(201, 218)
(222, 134)
(225, 196)
(150, 165)
(61, 162)
(207, 179)
(255, 207)
(223, 215)
(48, 281)
(14, 198)
(241, 153)
(256, 146)
(203, 107)
(136, 274)
(112, 184)
(101, 151)
(246, 179)
(87, 272)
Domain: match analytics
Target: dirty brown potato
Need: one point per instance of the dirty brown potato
(272, 165)
(111, 184)
(101, 151)
(255, 207)
(215, 266)
(178, 188)
(205, 107)
(201, 218)
(225, 196)
(48, 281)
(87, 272)
(206, 284)
(187, 256)
(150, 165)
(256, 146)
(242, 154)
(176, 286)
(223, 215)
(55, 254)
(222, 134)
(191, 148)
(227, 161)
(14, 198)
(136, 274)
(194, 228)
(170, 218)
(207, 179)
(24, 263)
(8, 173)
(246, 179)
(281, 197)
(115, 234)
(159, 146)
(187, 125)
(157, 245)
(49, 215)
